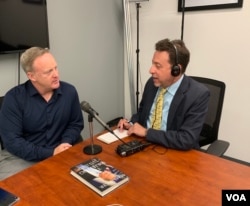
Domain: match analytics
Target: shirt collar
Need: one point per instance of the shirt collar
(32, 90)
(173, 88)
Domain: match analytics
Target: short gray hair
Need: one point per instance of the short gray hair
(28, 57)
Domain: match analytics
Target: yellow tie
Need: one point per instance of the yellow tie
(157, 114)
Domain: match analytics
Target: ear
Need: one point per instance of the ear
(31, 76)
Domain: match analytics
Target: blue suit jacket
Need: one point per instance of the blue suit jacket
(187, 113)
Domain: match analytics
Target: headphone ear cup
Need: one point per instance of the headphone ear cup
(175, 71)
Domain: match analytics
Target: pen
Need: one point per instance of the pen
(130, 122)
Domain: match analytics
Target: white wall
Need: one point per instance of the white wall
(219, 43)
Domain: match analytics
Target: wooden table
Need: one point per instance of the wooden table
(158, 176)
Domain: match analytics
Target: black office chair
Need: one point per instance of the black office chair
(210, 130)
(1, 101)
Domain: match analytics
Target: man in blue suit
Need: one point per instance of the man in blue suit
(185, 103)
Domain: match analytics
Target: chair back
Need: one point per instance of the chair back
(1, 142)
(211, 125)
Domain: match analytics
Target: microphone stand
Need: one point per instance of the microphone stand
(92, 149)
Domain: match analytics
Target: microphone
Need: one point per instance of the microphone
(85, 106)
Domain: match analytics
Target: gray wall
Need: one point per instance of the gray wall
(86, 38)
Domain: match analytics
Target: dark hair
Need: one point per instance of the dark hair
(182, 52)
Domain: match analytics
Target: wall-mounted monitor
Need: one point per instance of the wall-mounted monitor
(23, 24)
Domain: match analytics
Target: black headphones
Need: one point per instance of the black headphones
(176, 70)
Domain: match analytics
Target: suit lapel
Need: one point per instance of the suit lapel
(178, 97)
(151, 97)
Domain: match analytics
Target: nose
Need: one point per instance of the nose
(152, 69)
(55, 73)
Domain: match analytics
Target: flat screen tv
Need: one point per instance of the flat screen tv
(23, 24)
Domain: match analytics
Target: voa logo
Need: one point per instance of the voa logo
(236, 197)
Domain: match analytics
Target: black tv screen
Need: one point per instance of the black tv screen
(23, 24)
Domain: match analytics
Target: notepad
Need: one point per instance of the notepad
(109, 137)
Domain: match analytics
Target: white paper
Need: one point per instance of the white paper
(109, 138)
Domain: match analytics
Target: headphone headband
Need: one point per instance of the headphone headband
(176, 70)
(176, 54)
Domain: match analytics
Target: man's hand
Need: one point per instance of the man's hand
(62, 147)
(138, 130)
(123, 124)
